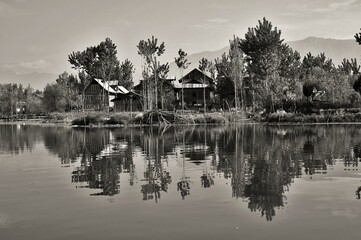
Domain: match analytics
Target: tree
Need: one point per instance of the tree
(99, 62)
(69, 87)
(54, 100)
(126, 74)
(345, 67)
(358, 37)
(205, 65)
(224, 82)
(84, 80)
(162, 73)
(308, 88)
(355, 68)
(289, 71)
(263, 48)
(237, 71)
(182, 64)
(357, 85)
(150, 50)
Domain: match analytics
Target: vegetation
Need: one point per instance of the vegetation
(16, 100)
(260, 75)
(153, 72)
(101, 62)
(182, 64)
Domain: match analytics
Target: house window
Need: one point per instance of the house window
(94, 87)
(194, 85)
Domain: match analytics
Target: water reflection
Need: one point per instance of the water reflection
(358, 191)
(18, 138)
(261, 162)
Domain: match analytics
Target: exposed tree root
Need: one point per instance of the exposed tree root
(160, 117)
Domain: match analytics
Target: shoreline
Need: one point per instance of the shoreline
(32, 122)
(164, 118)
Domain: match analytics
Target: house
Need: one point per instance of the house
(127, 101)
(226, 93)
(166, 92)
(97, 90)
(194, 84)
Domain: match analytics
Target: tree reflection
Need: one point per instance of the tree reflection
(102, 160)
(260, 162)
(17, 138)
(207, 179)
(358, 191)
(184, 184)
(156, 177)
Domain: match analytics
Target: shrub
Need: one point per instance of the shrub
(90, 118)
(118, 119)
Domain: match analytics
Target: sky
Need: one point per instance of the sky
(38, 35)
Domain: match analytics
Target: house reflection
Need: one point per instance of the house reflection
(102, 160)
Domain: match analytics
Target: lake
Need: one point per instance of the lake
(193, 182)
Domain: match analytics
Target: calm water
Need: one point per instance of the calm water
(234, 182)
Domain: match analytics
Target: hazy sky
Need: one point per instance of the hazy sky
(38, 35)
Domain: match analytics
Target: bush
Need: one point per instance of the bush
(90, 118)
(119, 119)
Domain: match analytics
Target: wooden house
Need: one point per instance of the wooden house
(194, 83)
(127, 102)
(98, 89)
(168, 91)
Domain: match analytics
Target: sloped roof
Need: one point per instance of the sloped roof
(194, 74)
(130, 93)
(111, 87)
(166, 81)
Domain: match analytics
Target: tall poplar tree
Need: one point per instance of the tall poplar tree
(150, 50)
(205, 66)
(237, 72)
(182, 64)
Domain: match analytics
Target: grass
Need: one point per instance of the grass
(312, 118)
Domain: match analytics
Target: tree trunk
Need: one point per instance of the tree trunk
(204, 94)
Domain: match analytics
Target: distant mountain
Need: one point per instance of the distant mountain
(194, 60)
(35, 79)
(335, 49)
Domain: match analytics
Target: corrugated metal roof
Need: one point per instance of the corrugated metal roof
(108, 87)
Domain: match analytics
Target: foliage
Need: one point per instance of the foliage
(101, 62)
(263, 47)
(119, 118)
(98, 61)
(54, 98)
(224, 83)
(182, 64)
(149, 50)
(307, 88)
(64, 94)
(205, 66)
(357, 85)
(126, 74)
(358, 37)
(15, 97)
(90, 118)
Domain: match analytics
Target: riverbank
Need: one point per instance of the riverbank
(104, 119)
(300, 118)
(124, 119)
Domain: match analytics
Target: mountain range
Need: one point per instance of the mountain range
(333, 48)
(37, 80)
